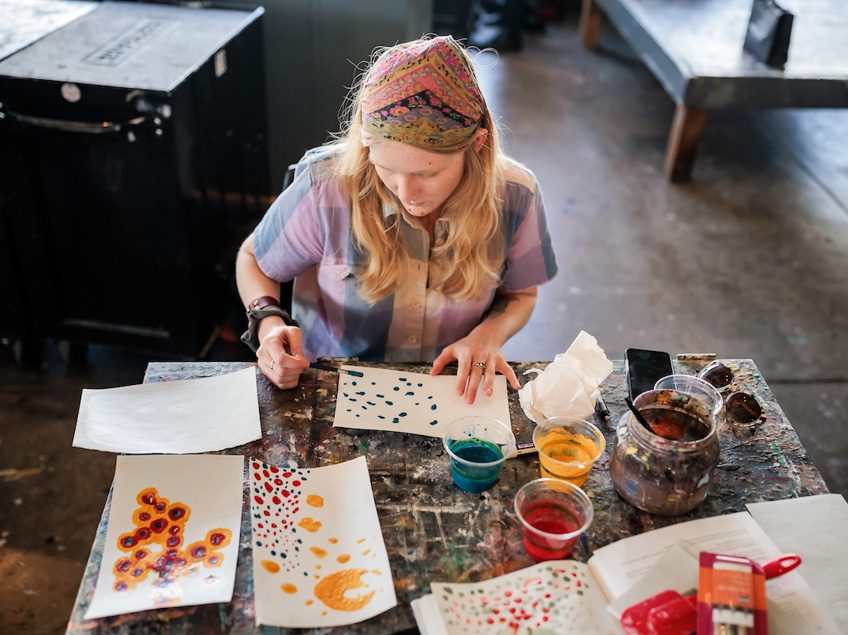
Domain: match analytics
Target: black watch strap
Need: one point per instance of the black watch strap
(259, 309)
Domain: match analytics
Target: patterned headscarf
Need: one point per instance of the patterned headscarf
(422, 93)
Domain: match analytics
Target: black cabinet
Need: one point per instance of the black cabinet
(133, 158)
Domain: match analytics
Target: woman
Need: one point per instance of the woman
(412, 237)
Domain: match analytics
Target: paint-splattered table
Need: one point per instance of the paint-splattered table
(432, 530)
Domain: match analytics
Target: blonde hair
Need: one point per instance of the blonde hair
(472, 252)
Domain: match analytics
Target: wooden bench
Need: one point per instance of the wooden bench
(694, 48)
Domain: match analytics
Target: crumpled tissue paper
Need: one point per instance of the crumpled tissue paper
(568, 386)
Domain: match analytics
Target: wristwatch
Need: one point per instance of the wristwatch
(260, 308)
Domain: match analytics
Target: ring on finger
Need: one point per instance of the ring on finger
(271, 365)
(481, 365)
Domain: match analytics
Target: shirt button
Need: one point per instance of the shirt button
(412, 339)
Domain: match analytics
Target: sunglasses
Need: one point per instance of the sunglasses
(739, 406)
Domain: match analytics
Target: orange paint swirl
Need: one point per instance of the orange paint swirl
(332, 588)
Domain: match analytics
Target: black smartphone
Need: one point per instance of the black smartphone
(644, 368)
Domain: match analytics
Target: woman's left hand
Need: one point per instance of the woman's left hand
(478, 358)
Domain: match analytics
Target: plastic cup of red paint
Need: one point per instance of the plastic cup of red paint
(553, 514)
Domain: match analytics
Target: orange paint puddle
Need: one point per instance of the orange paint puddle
(332, 588)
(315, 500)
(333, 541)
(318, 551)
(288, 587)
(271, 567)
(310, 525)
(343, 558)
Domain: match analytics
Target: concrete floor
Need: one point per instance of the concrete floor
(750, 261)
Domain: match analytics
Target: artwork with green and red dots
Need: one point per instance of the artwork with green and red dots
(173, 533)
(549, 598)
(399, 401)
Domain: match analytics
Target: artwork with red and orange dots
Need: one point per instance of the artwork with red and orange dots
(155, 545)
(316, 563)
(548, 598)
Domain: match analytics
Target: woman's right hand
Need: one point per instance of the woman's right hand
(280, 355)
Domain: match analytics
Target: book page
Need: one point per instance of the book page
(618, 566)
(814, 527)
(792, 606)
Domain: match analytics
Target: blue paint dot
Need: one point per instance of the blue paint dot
(283, 555)
(433, 407)
(379, 396)
(429, 396)
(300, 541)
(395, 388)
(258, 544)
(373, 383)
(347, 410)
(361, 392)
(434, 422)
(345, 394)
(401, 378)
(378, 416)
(370, 403)
(357, 415)
(420, 385)
(353, 383)
(417, 403)
(401, 414)
(352, 399)
(273, 553)
(395, 420)
(390, 403)
(409, 394)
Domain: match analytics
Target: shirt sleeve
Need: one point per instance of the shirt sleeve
(291, 236)
(530, 257)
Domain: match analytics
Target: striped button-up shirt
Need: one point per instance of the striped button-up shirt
(306, 236)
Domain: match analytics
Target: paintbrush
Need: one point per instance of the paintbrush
(333, 369)
(638, 414)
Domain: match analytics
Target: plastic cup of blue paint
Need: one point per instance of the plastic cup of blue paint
(477, 447)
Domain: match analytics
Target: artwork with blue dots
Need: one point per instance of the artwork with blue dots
(409, 402)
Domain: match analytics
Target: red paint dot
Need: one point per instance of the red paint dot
(286, 474)
(260, 525)
(508, 594)
(285, 493)
(265, 473)
(277, 481)
(517, 600)
(296, 483)
(490, 621)
(276, 500)
(256, 475)
(274, 469)
(255, 466)
(268, 487)
(259, 500)
(267, 513)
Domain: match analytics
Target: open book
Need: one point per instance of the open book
(563, 596)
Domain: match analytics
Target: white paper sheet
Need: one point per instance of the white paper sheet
(792, 606)
(171, 417)
(815, 528)
(318, 553)
(559, 596)
(195, 513)
(410, 402)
